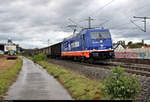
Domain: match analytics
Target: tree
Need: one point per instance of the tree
(130, 42)
(121, 42)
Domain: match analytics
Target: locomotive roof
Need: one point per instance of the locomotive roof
(85, 29)
(71, 36)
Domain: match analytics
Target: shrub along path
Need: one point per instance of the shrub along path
(34, 83)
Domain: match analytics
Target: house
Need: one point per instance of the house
(148, 46)
(4, 47)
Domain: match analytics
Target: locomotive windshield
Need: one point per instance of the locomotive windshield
(98, 35)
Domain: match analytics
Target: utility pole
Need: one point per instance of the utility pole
(145, 18)
(89, 21)
(48, 42)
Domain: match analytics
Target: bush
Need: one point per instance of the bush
(120, 85)
(25, 54)
(39, 57)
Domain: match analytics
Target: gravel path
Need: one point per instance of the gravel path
(34, 83)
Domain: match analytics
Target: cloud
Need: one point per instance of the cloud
(31, 23)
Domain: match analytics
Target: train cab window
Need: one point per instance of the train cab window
(98, 35)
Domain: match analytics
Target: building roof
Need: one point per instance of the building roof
(2, 44)
(118, 47)
(148, 46)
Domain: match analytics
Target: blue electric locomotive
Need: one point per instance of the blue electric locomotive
(89, 44)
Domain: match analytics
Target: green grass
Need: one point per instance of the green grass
(1, 55)
(9, 76)
(80, 87)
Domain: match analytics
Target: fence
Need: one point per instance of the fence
(139, 53)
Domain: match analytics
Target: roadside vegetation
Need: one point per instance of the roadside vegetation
(117, 86)
(121, 86)
(9, 69)
(1, 55)
(39, 57)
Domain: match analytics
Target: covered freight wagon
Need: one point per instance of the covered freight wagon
(55, 50)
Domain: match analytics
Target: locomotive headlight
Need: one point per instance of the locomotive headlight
(109, 48)
(101, 45)
(101, 41)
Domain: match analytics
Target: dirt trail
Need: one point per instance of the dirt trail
(4, 63)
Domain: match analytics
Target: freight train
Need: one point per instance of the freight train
(88, 45)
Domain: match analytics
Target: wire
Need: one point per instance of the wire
(126, 23)
(74, 22)
(137, 25)
(106, 21)
(125, 16)
(100, 9)
(92, 14)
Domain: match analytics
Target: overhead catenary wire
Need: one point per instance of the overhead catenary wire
(101, 8)
(107, 21)
(130, 22)
(125, 16)
(93, 13)
(74, 22)
(145, 18)
(124, 24)
(106, 6)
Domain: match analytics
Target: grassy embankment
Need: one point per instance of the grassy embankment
(9, 70)
(80, 87)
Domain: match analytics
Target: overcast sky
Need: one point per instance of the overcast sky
(30, 23)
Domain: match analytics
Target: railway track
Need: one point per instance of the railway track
(142, 67)
(138, 69)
